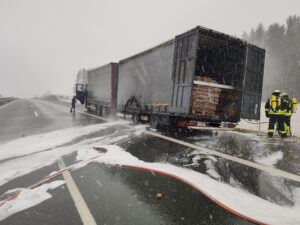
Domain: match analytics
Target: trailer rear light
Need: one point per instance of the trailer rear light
(182, 123)
(231, 125)
(192, 123)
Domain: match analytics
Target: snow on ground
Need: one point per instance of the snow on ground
(28, 198)
(295, 121)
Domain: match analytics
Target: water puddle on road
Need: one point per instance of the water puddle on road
(271, 152)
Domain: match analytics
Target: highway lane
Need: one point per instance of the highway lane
(27, 117)
(120, 187)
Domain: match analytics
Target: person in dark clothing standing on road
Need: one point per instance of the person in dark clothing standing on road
(73, 104)
(275, 113)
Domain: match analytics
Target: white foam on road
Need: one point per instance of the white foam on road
(35, 143)
(28, 198)
(270, 160)
(235, 198)
(21, 166)
(32, 159)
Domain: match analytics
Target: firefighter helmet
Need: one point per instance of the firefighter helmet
(276, 93)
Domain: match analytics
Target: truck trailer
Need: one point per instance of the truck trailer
(99, 94)
(199, 77)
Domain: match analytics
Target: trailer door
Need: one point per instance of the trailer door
(184, 63)
(253, 81)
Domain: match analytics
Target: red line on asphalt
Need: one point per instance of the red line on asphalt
(223, 205)
(44, 180)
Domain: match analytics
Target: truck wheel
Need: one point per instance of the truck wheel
(88, 108)
(135, 118)
(154, 122)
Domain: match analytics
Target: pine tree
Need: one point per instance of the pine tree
(282, 65)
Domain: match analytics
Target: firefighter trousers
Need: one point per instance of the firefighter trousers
(287, 125)
(279, 122)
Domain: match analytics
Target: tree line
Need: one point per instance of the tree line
(282, 64)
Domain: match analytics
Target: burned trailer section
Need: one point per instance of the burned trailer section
(219, 73)
(211, 77)
(101, 90)
(145, 83)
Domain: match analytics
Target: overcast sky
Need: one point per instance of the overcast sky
(43, 43)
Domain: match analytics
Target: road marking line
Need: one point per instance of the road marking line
(81, 206)
(258, 166)
(271, 170)
(64, 108)
(36, 114)
(5, 105)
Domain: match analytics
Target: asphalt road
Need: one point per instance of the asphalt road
(117, 195)
(28, 117)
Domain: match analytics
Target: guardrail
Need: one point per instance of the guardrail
(5, 100)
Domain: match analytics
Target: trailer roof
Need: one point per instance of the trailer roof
(147, 51)
(173, 39)
(221, 33)
(99, 67)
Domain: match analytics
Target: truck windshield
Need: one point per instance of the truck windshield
(79, 87)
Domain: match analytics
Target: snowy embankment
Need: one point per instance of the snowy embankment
(35, 152)
(263, 127)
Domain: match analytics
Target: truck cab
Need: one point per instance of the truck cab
(81, 92)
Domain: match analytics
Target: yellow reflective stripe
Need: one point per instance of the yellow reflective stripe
(288, 113)
(270, 130)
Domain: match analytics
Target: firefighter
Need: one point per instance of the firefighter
(275, 114)
(286, 105)
(289, 106)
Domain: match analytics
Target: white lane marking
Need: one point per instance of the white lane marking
(36, 114)
(258, 166)
(9, 104)
(271, 170)
(81, 206)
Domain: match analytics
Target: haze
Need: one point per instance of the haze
(43, 44)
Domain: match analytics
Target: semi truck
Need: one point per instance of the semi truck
(200, 77)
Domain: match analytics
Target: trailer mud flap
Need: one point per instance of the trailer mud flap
(252, 84)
